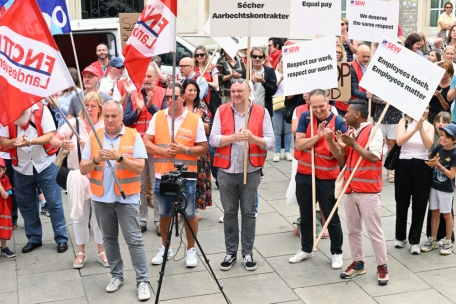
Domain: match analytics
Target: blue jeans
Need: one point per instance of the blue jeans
(280, 126)
(164, 202)
(27, 202)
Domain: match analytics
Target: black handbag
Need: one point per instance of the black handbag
(62, 175)
(392, 160)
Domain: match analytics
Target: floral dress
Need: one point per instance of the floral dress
(203, 196)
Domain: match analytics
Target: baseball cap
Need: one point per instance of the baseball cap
(450, 129)
(91, 70)
(2, 163)
(116, 62)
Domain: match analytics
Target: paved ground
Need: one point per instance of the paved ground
(44, 276)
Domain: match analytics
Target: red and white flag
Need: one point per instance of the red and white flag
(154, 34)
(31, 66)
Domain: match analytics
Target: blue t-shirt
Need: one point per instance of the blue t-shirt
(440, 181)
(304, 122)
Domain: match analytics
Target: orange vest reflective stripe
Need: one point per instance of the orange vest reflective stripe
(185, 136)
(326, 166)
(144, 119)
(12, 128)
(257, 156)
(129, 181)
(359, 75)
(368, 176)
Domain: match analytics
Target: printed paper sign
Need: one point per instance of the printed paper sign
(402, 78)
(310, 65)
(262, 18)
(231, 45)
(127, 24)
(372, 20)
(343, 91)
(317, 17)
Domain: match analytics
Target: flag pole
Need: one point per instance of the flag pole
(314, 191)
(77, 65)
(208, 63)
(64, 117)
(347, 183)
(174, 96)
(246, 112)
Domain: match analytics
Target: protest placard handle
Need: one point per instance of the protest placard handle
(208, 64)
(339, 199)
(247, 102)
(314, 196)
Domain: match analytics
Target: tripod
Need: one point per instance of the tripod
(175, 210)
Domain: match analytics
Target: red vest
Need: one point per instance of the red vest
(257, 156)
(97, 65)
(326, 166)
(143, 121)
(37, 114)
(368, 176)
(359, 75)
(6, 207)
(207, 75)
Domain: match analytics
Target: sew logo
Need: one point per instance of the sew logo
(291, 50)
(285, 51)
(185, 131)
(391, 46)
(357, 2)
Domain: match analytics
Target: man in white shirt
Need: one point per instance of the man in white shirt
(27, 141)
(108, 84)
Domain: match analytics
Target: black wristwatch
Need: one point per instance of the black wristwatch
(120, 159)
(95, 162)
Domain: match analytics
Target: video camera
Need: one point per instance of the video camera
(173, 184)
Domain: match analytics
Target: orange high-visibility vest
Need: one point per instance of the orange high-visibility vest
(185, 136)
(129, 181)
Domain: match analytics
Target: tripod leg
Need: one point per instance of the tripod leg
(165, 255)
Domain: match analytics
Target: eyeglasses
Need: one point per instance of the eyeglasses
(91, 107)
(257, 56)
(269, 45)
(342, 23)
(200, 55)
(240, 80)
(168, 97)
(183, 66)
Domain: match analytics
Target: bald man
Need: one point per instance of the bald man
(358, 68)
(187, 70)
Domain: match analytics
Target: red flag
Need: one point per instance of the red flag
(31, 66)
(154, 34)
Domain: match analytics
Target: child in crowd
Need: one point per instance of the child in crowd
(6, 205)
(443, 160)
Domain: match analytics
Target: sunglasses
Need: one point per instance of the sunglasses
(342, 23)
(168, 97)
(257, 56)
(122, 67)
(200, 55)
(448, 7)
(240, 80)
(338, 52)
(183, 66)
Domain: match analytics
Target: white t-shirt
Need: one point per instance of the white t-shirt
(280, 88)
(33, 156)
(200, 133)
(414, 147)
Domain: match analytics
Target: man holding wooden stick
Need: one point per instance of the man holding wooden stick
(326, 172)
(362, 197)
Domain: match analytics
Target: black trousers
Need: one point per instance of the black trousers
(412, 181)
(326, 200)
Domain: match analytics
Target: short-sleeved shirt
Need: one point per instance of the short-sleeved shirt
(440, 181)
(304, 122)
(109, 195)
(75, 105)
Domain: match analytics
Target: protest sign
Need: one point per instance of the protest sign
(310, 65)
(262, 18)
(402, 78)
(343, 90)
(317, 17)
(372, 20)
(127, 22)
(230, 45)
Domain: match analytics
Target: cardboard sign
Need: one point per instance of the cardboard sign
(127, 23)
(343, 91)
(310, 65)
(317, 17)
(372, 20)
(402, 78)
(262, 18)
(231, 45)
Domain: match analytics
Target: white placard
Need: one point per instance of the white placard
(402, 78)
(317, 17)
(230, 45)
(310, 65)
(372, 20)
(261, 18)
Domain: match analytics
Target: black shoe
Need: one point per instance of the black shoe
(143, 228)
(157, 228)
(216, 183)
(62, 247)
(30, 247)
(261, 173)
(228, 262)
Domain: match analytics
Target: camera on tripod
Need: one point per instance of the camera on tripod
(173, 184)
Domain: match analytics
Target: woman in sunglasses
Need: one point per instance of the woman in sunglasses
(446, 21)
(201, 57)
(350, 45)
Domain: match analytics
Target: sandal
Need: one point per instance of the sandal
(198, 215)
(390, 177)
(103, 262)
(78, 263)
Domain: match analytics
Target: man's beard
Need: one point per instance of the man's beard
(25, 117)
(102, 56)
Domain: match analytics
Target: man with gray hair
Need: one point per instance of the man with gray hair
(125, 150)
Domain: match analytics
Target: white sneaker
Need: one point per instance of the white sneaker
(114, 285)
(337, 261)
(288, 156)
(191, 259)
(399, 244)
(415, 249)
(300, 256)
(143, 291)
(158, 259)
(276, 157)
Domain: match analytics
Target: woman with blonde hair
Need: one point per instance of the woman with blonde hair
(429, 44)
(65, 139)
(201, 57)
(340, 53)
(350, 45)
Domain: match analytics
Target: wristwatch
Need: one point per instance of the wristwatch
(187, 151)
(120, 159)
(95, 162)
(30, 143)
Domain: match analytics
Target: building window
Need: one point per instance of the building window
(344, 9)
(109, 8)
